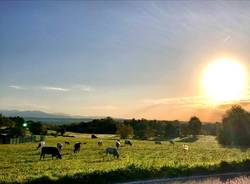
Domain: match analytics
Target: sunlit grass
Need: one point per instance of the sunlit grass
(20, 163)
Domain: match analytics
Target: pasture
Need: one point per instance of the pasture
(145, 159)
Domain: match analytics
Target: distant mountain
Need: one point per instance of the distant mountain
(34, 114)
(47, 117)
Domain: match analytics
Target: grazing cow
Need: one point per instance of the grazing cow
(112, 151)
(59, 146)
(185, 147)
(100, 143)
(93, 136)
(171, 142)
(117, 144)
(66, 142)
(127, 141)
(157, 142)
(77, 146)
(53, 151)
(41, 144)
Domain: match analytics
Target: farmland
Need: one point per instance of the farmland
(20, 163)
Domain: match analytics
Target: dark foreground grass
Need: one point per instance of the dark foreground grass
(135, 173)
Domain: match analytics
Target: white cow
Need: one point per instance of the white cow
(41, 144)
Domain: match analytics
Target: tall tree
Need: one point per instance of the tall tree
(36, 128)
(235, 127)
(6, 122)
(194, 125)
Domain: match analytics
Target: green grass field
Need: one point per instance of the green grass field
(20, 163)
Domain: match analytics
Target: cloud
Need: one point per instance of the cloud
(103, 107)
(53, 88)
(184, 107)
(186, 101)
(227, 38)
(196, 101)
(79, 87)
(16, 87)
(244, 103)
(84, 88)
(19, 104)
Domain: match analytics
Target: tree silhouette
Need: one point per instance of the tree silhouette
(36, 128)
(235, 127)
(194, 125)
(124, 130)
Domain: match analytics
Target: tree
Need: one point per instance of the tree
(36, 128)
(235, 128)
(194, 125)
(184, 130)
(170, 131)
(6, 122)
(125, 131)
(18, 129)
(61, 129)
(149, 132)
(19, 121)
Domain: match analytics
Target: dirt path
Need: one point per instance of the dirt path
(228, 178)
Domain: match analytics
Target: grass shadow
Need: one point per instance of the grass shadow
(242, 148)
(134, 172)
(188, 139)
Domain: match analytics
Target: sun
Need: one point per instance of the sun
(224, 80)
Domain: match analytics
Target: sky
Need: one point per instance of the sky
(127, 59)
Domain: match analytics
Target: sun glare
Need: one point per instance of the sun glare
(224, 80)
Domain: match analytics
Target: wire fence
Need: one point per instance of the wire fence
(24, 139)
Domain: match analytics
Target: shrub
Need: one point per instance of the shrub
(124, 130)
(235, 127)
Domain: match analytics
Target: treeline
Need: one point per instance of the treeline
(136, 128)
(140, 129)
(234, 129)
(17, 126)
(96, 126)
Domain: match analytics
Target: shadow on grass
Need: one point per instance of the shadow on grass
(188, 139)
(133, 172)
(242, 148)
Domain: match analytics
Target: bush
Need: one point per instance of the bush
(235, 127)
(124, 130)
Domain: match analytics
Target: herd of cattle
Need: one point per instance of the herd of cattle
(56, 151)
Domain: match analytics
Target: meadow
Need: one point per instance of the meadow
(145, 159)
